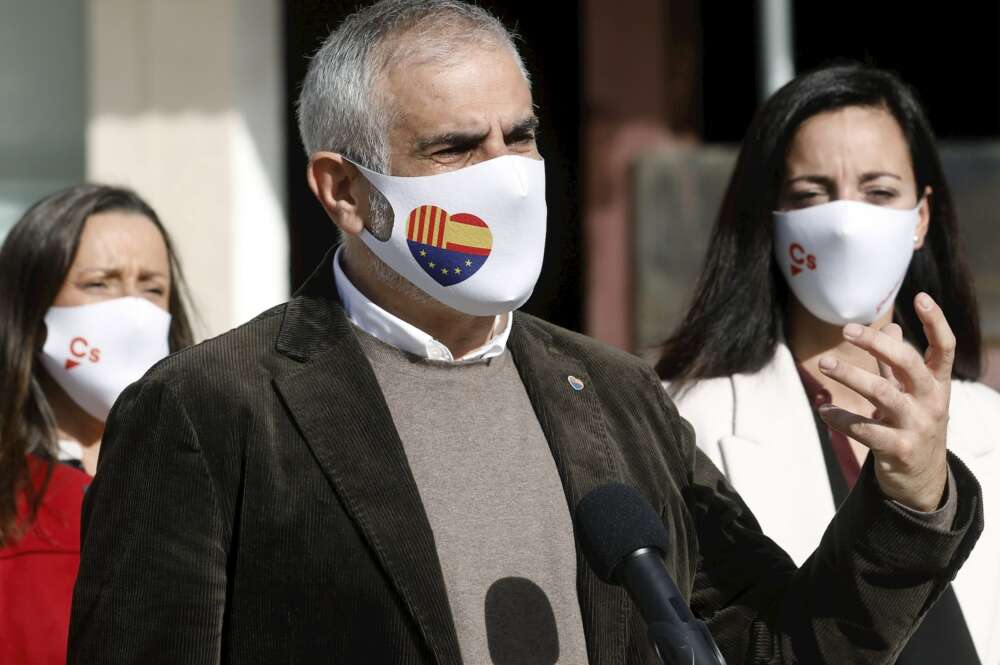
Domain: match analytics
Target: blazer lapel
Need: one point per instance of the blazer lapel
(336, 401)
(575, 430)
(774, 436)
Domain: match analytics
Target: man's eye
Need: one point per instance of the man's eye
(453, 151)
(522, 138)
(95, 285)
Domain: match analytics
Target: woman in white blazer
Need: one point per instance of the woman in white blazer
(837, 211)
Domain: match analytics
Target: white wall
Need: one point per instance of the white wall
(185, 105)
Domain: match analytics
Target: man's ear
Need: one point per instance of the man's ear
(925, 219)
(340, 189)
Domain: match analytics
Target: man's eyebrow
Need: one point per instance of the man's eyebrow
(524, 126)
(450, 138)
(459, 138)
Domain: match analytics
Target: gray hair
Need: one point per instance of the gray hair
(341, 108)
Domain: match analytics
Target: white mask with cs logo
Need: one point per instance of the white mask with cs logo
(95, 351)
(845, 260)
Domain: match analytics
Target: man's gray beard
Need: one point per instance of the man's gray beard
(380, 223)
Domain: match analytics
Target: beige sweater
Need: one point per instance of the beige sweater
(494, 501)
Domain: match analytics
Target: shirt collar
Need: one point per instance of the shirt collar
(395, 332)
(69, 451)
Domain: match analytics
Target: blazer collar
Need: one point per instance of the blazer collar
(771, 407)
(576, 432)
(774, 436)
(334, 397)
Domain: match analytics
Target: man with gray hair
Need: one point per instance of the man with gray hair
(383, 469)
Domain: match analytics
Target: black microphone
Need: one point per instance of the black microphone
(623, 540)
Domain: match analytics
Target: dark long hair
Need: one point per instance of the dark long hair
(738, 313)
(34, 261)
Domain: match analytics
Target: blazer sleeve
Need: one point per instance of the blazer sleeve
(152, 582)
(857, 599)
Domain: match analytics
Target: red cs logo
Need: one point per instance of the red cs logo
(800, 259)
(79, 347)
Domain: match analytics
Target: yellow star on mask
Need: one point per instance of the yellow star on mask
(458, 271)
(468, 264)
(444, 271)
(423, 252)
(432, 264)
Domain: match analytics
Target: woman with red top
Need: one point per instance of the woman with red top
(89, 300)
(837, 214)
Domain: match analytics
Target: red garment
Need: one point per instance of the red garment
(38, 571)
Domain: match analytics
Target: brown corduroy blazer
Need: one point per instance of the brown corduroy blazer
(253, 504)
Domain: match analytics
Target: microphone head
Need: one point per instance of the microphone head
(613, 521)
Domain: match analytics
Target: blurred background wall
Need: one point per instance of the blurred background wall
(43, 92)
(642, 102)
(186, 104)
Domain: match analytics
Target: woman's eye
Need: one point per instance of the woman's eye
(882, 194)
(95, 285)
(156, 290)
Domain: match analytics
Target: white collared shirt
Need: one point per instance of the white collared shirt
(392, 330)
(69, 451)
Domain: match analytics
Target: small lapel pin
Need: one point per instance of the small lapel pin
(574, 383)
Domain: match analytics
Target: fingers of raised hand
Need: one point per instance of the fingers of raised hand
(940, 354)
(872, 433)
(904, 361)
(891, 402)
(899, 450)
(884, 369)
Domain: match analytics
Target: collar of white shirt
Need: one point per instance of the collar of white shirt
(69, 451)
(392, 330)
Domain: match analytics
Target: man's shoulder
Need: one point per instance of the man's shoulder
(233, 357)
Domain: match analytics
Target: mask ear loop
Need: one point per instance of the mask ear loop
(365, 171)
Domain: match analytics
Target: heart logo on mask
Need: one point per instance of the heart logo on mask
(449, 248)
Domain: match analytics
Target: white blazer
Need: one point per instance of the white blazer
(759, 429)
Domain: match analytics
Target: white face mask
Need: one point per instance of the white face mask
(472, 239)
(845, 260)
(95, 351)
